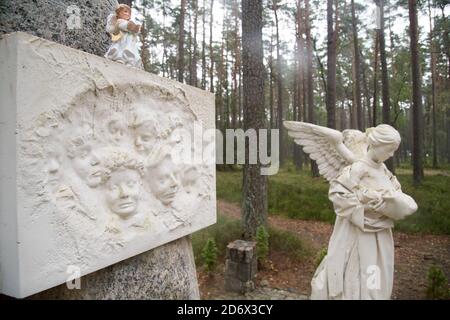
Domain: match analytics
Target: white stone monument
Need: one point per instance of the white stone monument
(367, 199)
(99, 162)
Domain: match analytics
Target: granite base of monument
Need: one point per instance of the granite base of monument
(167, 272)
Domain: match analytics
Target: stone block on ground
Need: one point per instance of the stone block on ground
(240, 266)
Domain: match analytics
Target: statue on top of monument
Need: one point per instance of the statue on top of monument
(123, 31)
(367, 199)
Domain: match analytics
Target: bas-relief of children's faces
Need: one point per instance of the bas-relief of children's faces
(141, 135)
(122, 192)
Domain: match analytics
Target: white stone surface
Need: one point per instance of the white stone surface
(88, 173)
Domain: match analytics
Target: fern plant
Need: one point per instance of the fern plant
(209, 255)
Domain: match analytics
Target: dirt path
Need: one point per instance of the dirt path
(414, 254)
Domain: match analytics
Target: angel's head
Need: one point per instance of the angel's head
(383, 141)
(123, 11)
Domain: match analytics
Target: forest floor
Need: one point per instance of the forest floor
(290, 277)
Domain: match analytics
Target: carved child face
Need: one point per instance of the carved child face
(145, 138)
(122, 192)
(116, 128)
(52, 167)
(163, 181)
(382, 152)
(124, 13)
(87, 165)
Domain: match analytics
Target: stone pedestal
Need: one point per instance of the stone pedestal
(90, 184)
(167, 272)
(241, 266)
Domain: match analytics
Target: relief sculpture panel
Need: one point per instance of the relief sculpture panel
(109, 172)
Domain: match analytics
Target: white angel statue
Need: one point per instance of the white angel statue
(367, 199)
(123, 31)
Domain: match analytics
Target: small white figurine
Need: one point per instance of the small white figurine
(367, 199)
(124, 37)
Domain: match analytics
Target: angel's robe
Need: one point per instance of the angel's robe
(360, 260)
(124, 48)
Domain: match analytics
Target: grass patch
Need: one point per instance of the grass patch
(297, 195)
(288, 243)
(229, 186)
(227, 229)
(433, 199)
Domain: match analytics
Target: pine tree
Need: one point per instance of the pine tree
(417, 111)
(254, 207)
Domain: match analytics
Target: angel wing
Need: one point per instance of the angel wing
(331, 149)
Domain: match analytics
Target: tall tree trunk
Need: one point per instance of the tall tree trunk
(203, 83)
(375, 80)
(211, 49)
(180, 61)
(240, 93)
(321, 67)
(331, 67)
(254, 206)
(189, 9)
(417, 95)
(193, 71)
(366, 110)
(384, 78)
(295, 107)
(236, 66)
(225, 60)
(299, 81)
(384, 72)
(279, 85)
(357, 72)
(220, 103)
(343, 117)
(433, 86)
(164, 57)
(309, 78)
(145, 45)
(271, 88)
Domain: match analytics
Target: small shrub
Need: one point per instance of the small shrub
(262, 245)
(209, 255)
(437, 284)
